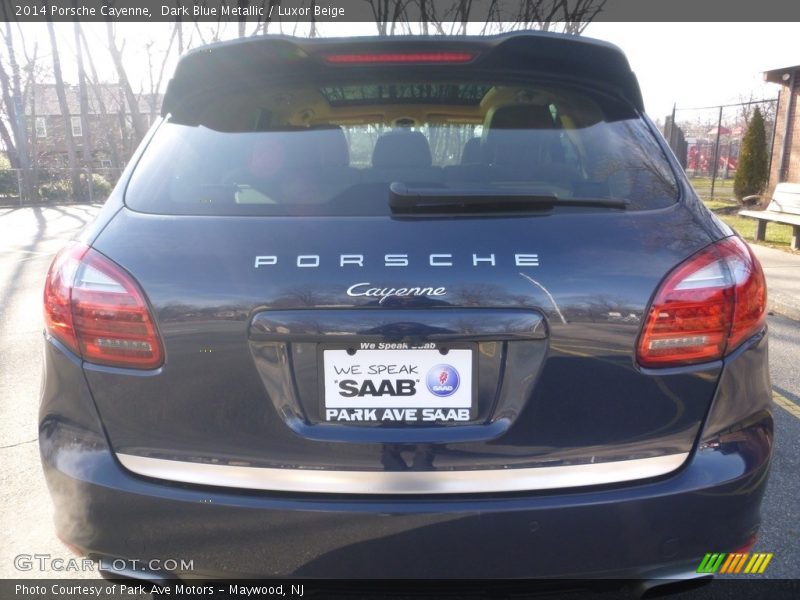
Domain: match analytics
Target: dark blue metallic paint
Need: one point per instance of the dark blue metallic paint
(625, 530)
(198, 274)
(204, 295)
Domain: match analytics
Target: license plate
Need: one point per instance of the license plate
(397, 385)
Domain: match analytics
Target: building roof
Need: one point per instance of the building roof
(112, 95)
(777, 75)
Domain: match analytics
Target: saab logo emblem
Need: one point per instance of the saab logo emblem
(734, 563)
(442, 380)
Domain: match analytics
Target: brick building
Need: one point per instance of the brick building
(786, 144)
(113, 138)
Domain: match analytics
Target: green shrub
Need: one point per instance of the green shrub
(751, 172)
(59, 190)
(8, 182)
(8, 178)
(56, 190)
(101, 187)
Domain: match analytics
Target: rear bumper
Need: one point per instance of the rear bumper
(712, 504)
(644, 529)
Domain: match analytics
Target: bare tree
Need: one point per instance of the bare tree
(157, 80)
(199, 33)
(388, 14)
(453, 16)
(312, 31)
(88, 153)
(242, 25)
(566, 16)
(179, 31)
(64, 107)
(124, 121)
(97, 89)
(9, 129)
(262, 26)
(13, 121)
(748, 105)
(137, 122)
(33, 74)
(32, 178)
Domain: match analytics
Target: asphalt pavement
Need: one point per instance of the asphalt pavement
(28, 239)
(782, 268)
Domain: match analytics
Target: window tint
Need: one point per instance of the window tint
(334, 149)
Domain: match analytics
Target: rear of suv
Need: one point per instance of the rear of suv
(357, 305)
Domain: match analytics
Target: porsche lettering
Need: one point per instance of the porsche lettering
(441, 259)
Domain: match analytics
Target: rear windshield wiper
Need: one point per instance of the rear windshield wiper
(411, 199)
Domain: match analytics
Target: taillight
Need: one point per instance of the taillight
(98, 311)
(705, 308)
(399, 57)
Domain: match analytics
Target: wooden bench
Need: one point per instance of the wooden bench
(784, 208)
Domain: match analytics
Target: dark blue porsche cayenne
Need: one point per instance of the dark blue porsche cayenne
(361, 306)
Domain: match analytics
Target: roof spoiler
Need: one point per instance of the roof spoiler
(250, 60)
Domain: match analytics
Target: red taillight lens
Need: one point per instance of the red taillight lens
(399, 57)
(57, 294)
(705, 308)
(97, 310)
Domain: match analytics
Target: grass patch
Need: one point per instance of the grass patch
(723, 189)
(778, 235)
(718, 206)
(725, 206)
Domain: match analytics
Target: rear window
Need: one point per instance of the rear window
(332, 149)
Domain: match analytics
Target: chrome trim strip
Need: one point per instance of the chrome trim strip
(402, 482)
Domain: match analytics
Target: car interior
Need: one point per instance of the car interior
(304, 146)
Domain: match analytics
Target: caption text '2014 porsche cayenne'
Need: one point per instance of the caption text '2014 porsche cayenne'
(358, 304)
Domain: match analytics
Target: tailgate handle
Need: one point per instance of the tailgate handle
(438, 325)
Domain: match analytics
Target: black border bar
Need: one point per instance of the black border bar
(445, 11)
(599, 589)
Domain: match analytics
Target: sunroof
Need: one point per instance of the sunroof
(469, 94)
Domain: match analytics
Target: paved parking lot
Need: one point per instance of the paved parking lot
(28, 239)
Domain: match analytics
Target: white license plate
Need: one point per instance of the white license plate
(378, 385)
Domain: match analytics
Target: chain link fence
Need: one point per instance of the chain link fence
(30, 187)
(707, 141)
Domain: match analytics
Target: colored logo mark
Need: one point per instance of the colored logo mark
(735, 563)
(443, 380)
